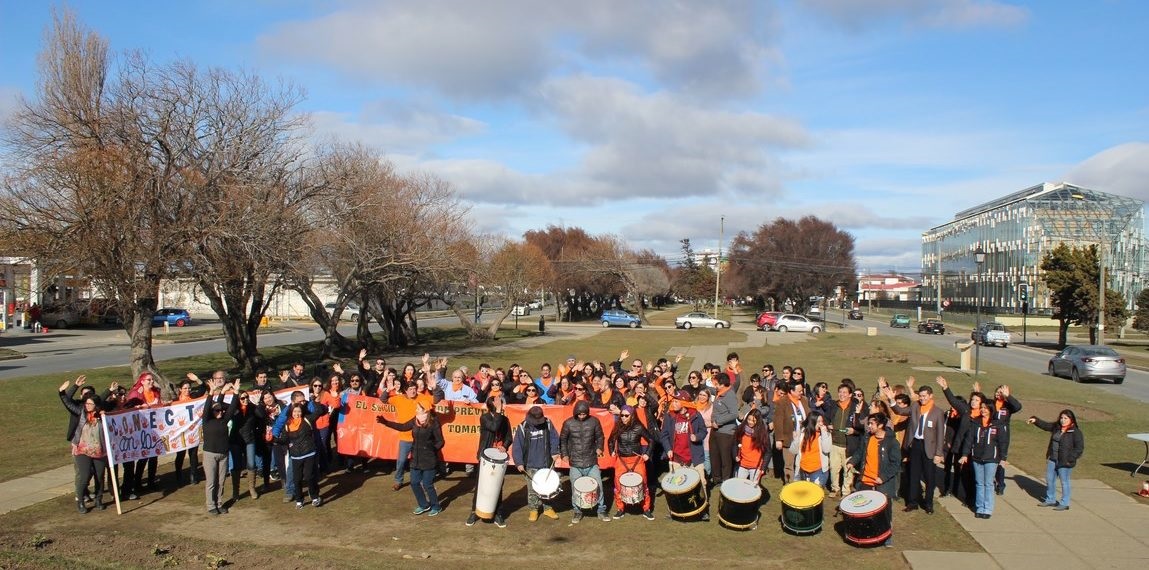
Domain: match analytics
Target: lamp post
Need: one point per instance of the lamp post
(979, 258)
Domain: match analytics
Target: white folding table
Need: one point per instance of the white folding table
(1143, 438)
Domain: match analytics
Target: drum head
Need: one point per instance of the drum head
(495, 455)
(585, 484)
(680, 480)
(740, 491)
(630, 479)
(545, 481)
(863, 503)
(802, 494)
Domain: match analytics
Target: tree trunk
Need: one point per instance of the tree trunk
(138, 325)
(1062, 332)
(332, 339)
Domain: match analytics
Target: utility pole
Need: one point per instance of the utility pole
(1100, 294)
(718, 264)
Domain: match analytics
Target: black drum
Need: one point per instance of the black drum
(685, 494)
(738, 504)
(867, 519)
(802, 507)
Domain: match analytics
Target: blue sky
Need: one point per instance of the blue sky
(651, 119)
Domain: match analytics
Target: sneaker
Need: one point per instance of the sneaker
(500, 522)
(1047, 504)
(705, 517)
(471, 520)
(299, 504)
(316, 502)
(605, 517)
(533, 515)
(889, 543)
(223, 510)
(550, 513)
(133, 497)
(1061, 508)
(619, 514)
(434, 511)
(213, 512)
(274, 477)
(577, 517)
(648, 515)
(81, 507)
(420, 510)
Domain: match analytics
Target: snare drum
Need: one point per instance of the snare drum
(585, 494)
(545, 482)
(738, 504)
(802, 507)
(631, 488)
(867, 517)
(492, 470)
(685, 495)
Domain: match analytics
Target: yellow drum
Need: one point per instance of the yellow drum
(802, 507)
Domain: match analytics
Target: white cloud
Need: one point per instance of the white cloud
(1123, 170)
(857, 15)
(395, 126)
(501, 48)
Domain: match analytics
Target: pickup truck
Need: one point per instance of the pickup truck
(991, 334)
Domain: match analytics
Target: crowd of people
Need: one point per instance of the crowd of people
(717, 421)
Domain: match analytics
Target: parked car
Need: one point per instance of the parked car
(691, 320)
(932, 326)
(535, 305)
(855, 314)
(765, 321)
(900, 321)
(521, 310)
(814, 310)
(796, 323)
(991, 333)
(619, 318)
(62, 316)
(350, 312)
(1088, 362)
(173, 317)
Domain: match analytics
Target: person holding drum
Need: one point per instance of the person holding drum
(878, 461)
(629, 445)
(535, 451)
(683, 433)
(494, 434)
(581, 444)
(982, 447)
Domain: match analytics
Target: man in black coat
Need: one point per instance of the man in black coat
(581, 444)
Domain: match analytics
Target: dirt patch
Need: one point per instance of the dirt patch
(882, 355)
(1049, 410)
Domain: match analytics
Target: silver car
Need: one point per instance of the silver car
(691, 320)
(796, 323)
(1089, 362)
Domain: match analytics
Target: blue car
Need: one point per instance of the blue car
(619, 318)
(173, 317)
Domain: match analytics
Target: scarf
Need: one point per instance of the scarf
(1067, 427)
(926, 407)
(294, 424)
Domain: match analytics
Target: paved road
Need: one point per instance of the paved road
(1136, 384)
(84, 349)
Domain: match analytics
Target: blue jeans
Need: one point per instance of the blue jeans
(984, 475)
(401, 461)
(595, 474)
(423, 486)
(254, 459)
(817, 477)
(1052, 474)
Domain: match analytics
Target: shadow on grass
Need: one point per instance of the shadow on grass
(1127, 467)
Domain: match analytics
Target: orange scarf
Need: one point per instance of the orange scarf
(926, 407)
(844, 405)
(604, 396)
(150, 397)
(91, 416)
(294, 424)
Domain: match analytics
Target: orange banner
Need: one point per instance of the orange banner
(359, 434)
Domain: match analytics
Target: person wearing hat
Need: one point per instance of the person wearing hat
(494, 431)
(683, 434)
(215, 446)
(581, 444)
(629, 445)
(535, 446)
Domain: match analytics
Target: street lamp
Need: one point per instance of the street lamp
(979, 258)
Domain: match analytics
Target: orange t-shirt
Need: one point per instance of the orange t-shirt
(870, 474)
(332, 402)
(811, 455)
(751, 457)
(405, 410)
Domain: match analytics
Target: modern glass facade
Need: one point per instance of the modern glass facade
(1015, 232)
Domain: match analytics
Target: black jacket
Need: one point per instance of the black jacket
(1070, 444)
(215, 434)
(629, 440)
(982, 443)
(493, 429)
(428, 440)
(581, 440)
(301, 442)
(889, 461)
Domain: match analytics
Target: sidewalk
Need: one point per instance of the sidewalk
(1104, 528)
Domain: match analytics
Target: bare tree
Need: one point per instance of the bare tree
(509, 272)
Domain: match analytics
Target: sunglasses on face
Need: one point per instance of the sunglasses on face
(531, 390)
(580, 389)
(624, 415)
(317, 385)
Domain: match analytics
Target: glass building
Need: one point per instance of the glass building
(1015, 232)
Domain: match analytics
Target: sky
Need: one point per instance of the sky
(658, 120)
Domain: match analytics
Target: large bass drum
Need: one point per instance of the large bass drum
(492, 470)
(685, 494)
(802, 507)
(738, 504)
(867, 517)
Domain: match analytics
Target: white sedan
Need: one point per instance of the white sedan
(691, 320)
(796, 323)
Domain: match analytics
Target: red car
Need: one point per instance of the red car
(767, 320)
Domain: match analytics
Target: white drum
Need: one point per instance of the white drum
(631, 488)
(546, 483)
(492, 469)
(585, 493)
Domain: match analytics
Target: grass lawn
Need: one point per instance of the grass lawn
(169, 530)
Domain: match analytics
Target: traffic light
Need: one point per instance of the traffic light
(1023, 291)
